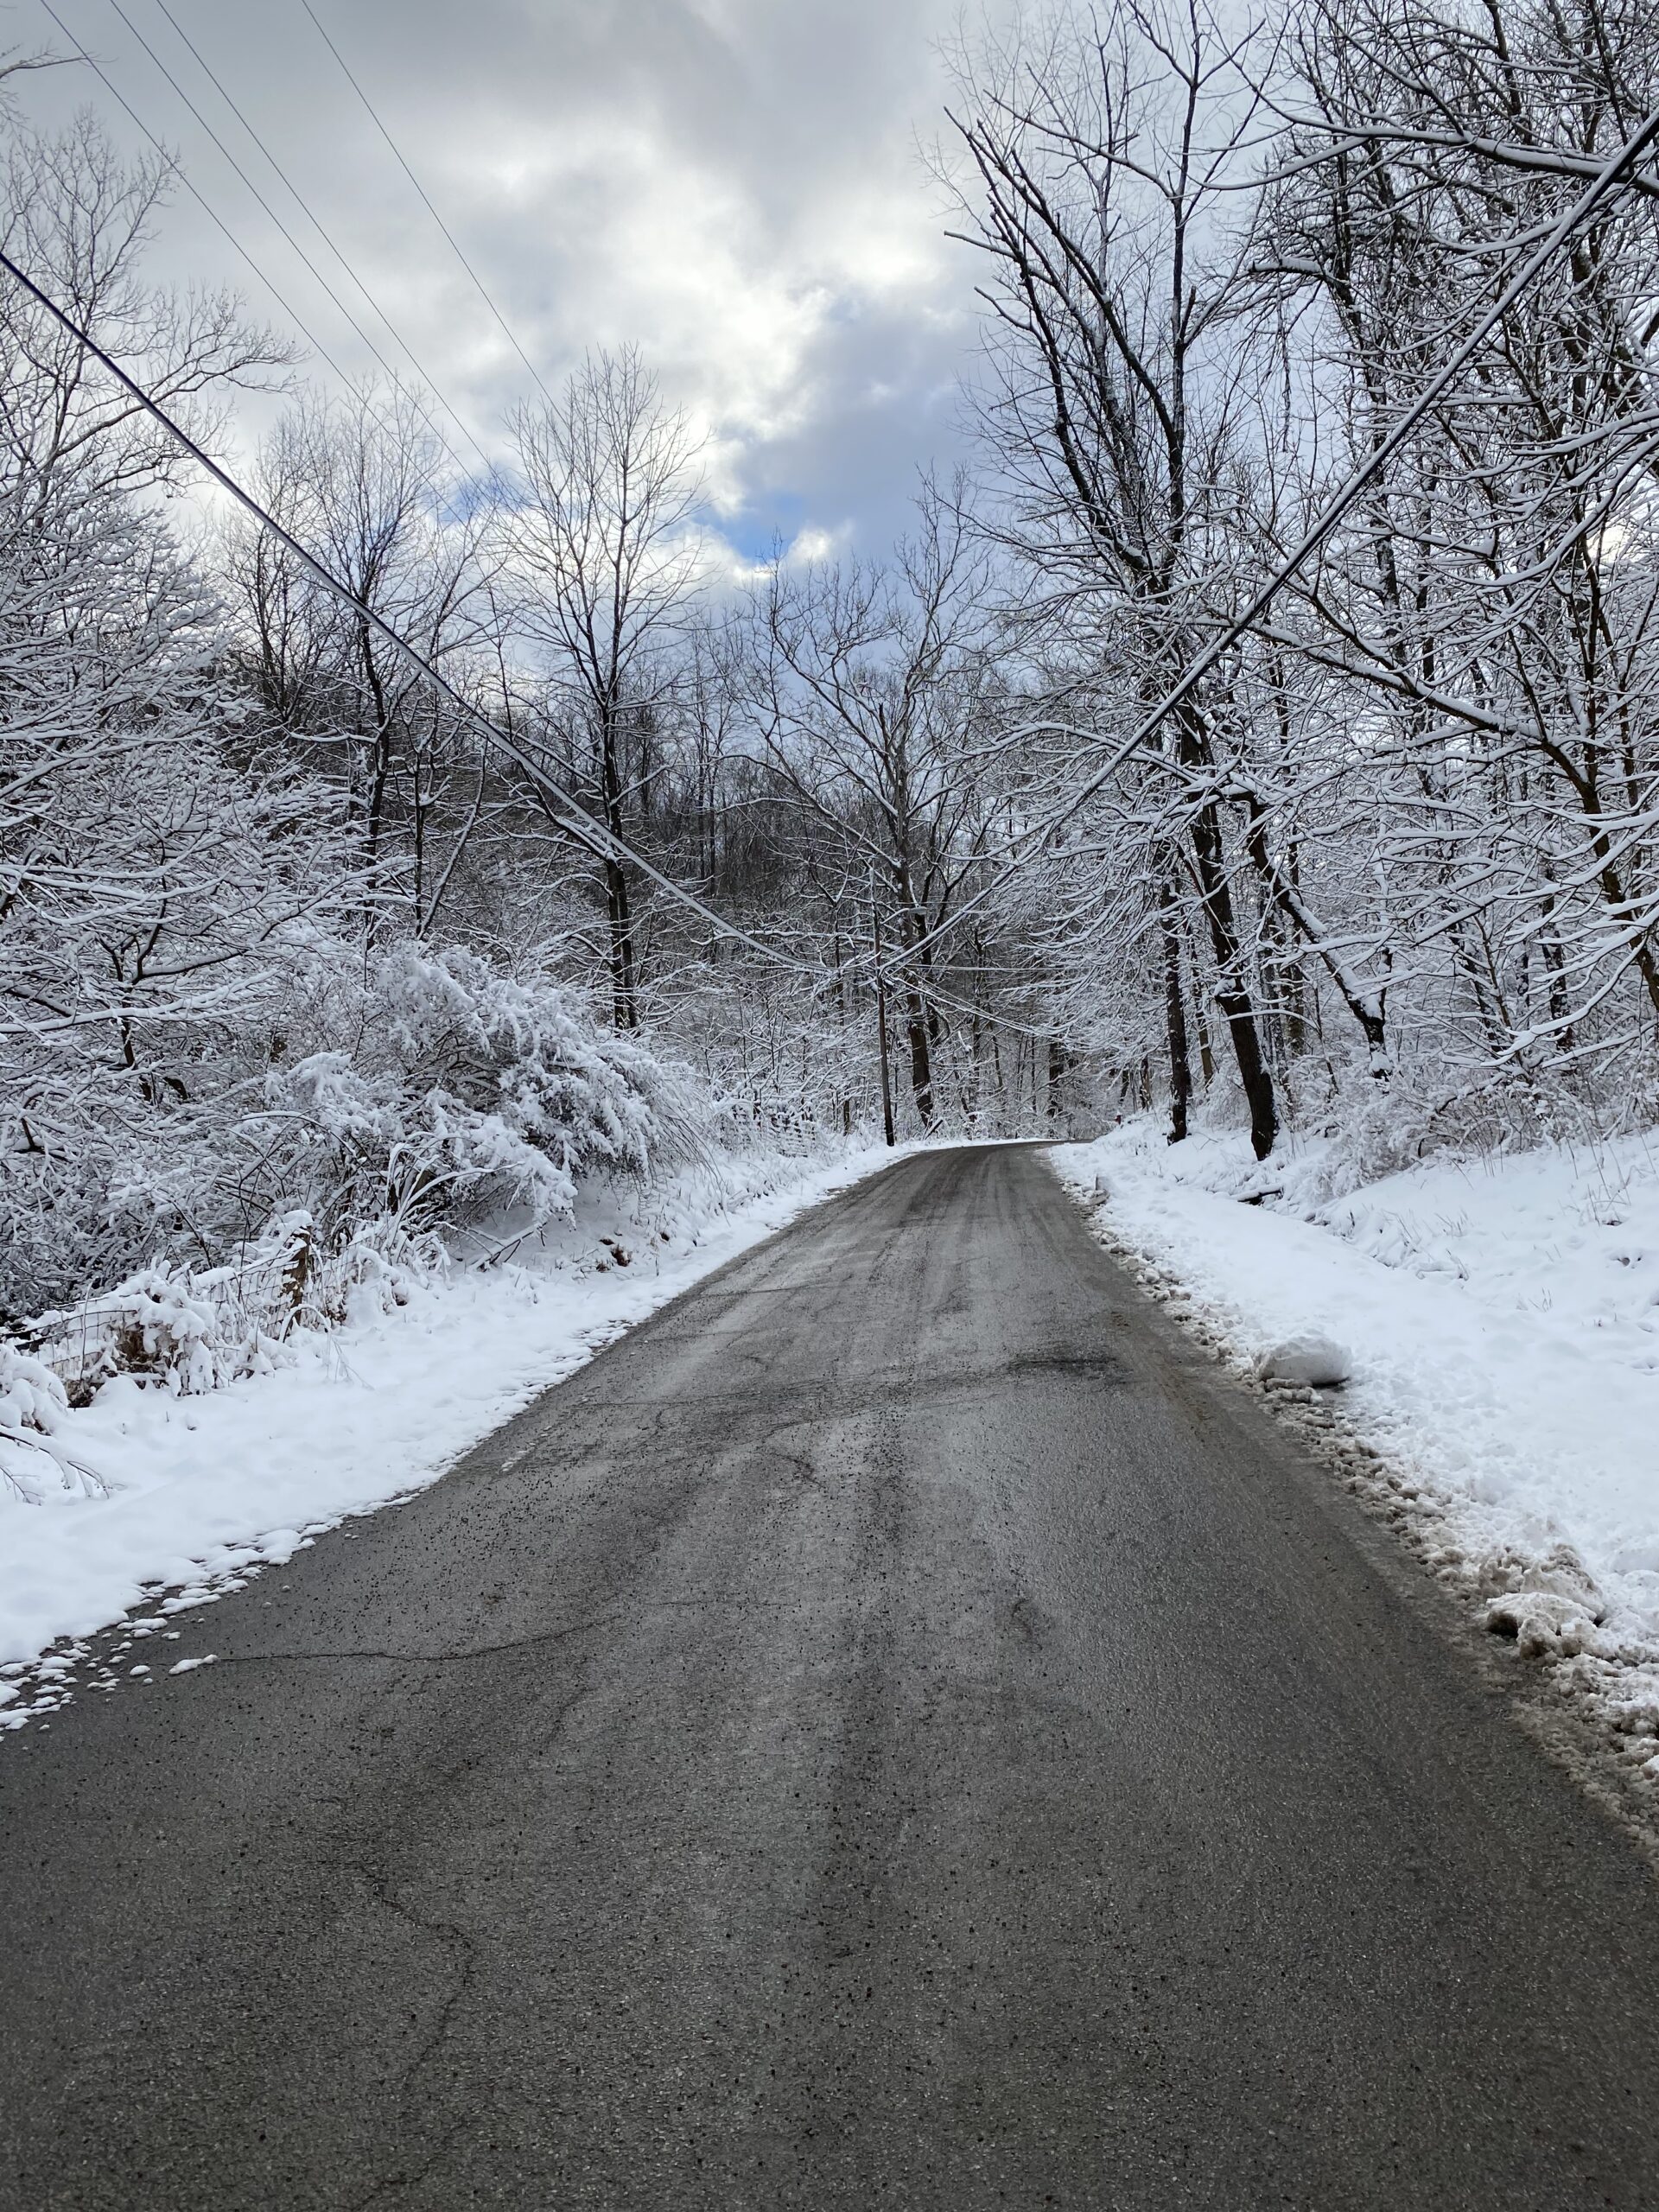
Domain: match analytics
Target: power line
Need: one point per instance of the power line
(1610, 178)
(236, 243)
(206, 207)
(443, 497)
(288, 236)
(455, 242)
(567, 812)
(318, 224)
(586, 829)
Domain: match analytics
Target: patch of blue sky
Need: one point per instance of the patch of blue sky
(761, 523)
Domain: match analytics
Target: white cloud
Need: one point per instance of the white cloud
(816, 544)
(730, 183)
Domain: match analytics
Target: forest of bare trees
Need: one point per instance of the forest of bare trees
(1086, 798)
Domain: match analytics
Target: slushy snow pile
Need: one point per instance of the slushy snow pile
(1499, 1321)
(145, 1497)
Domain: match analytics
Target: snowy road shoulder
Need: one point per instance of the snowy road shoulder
(1499, 1322)
(205, 1490)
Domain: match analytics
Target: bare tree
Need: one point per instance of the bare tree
(78, 216)
(360, 482)
(601, 540)
(1097, 161)
(874, 687)
(1488, 621)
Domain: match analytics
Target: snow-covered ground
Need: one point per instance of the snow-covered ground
(202, 1491)
(1501, 1317)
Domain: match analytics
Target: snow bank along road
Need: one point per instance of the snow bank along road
(895, 1729)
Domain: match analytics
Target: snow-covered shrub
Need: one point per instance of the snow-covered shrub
(464, 1092)
(422, 1086)
(188, 1333)
(31, 1395)
(176, 1329)
(33, 1407)
(163, 1329)
(378, 1265)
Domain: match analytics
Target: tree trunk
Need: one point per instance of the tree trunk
(921, 1064)
(623, 1002)
(624, 997)
(1058, 1062)
(881, 1025)
(1233, 993)
(1180, 1064)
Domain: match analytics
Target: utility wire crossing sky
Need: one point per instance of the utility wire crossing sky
(475, 198)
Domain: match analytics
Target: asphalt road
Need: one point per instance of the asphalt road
(898, 1729)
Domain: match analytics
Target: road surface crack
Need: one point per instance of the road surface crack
(614, 1619)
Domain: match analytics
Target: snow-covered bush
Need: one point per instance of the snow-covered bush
(31, 1395)
(33, 1407)
(413, 1085)
(312, 1281)
(187, 1334)
(162, 1330)
(164, 1326)
(411, 1092)
(454, 1091)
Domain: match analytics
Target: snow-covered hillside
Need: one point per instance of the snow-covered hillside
(204, 1490)
(1501, 1319)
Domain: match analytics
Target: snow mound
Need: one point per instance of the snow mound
(1550, 1605)
(1316, 1362)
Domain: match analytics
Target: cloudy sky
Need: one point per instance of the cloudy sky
(733, 184)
